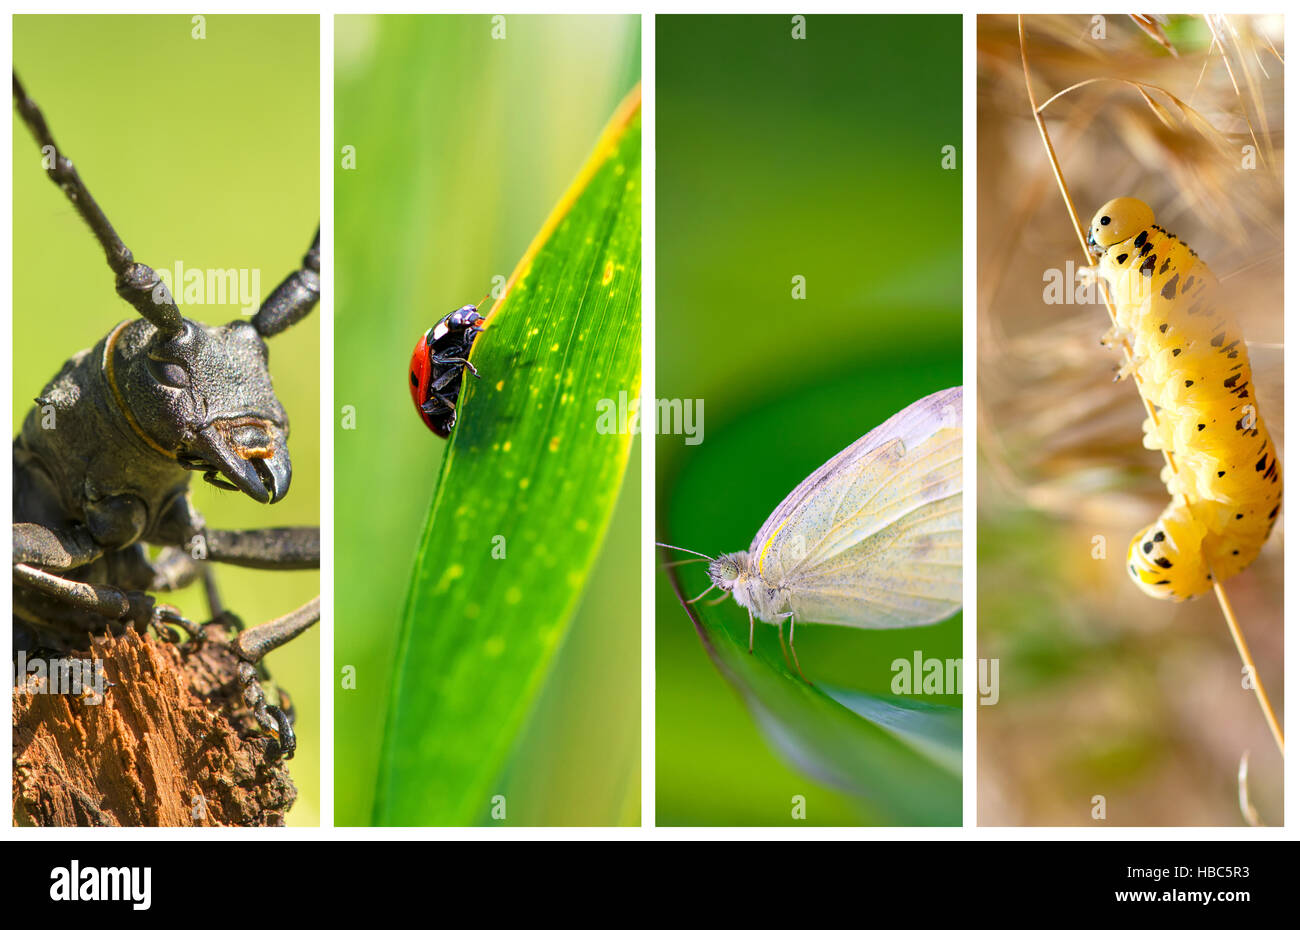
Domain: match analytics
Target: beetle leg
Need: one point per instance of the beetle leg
(270, 718)
(131, 608)
(437, 403)
(454, 360)
(445, 379)
(230, 621)
(165, 617)
(216, 609)
(281, 547)
(41, 547)
(251, 646)
(173, 570)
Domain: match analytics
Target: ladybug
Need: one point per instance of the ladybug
(438, 363)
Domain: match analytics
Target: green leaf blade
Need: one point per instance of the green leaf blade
(902, 758)
(531, 474)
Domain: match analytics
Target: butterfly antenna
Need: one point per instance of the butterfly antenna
(688, 551)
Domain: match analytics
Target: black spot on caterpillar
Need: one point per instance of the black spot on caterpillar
(1220, 514)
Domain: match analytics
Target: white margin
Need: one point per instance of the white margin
(326, 9)
(970, 426)
(6, 392)
(648, 437)
(1291, 395)
(325, 318)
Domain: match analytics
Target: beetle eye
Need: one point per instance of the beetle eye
(169, 373)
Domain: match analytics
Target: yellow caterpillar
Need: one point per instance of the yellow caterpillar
(1190, 359)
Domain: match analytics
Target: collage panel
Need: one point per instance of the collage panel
(487, 491)
(159, 493)
(808, 301)
(1130, 573)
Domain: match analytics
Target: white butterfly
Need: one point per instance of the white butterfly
(872, 539)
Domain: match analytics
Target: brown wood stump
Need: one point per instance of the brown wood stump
(170, 744)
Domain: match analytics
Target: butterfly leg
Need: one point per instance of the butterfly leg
(702, 593)
(751, 632)
(794, 654)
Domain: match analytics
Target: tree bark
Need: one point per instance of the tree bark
(170, 744)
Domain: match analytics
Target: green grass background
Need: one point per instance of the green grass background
(463, 144)
(204, 151)
(775, 157)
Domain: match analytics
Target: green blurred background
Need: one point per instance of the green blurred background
(207, 152)
(463, 143)
(779, 157)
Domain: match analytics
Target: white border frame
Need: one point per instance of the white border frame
(326, 832)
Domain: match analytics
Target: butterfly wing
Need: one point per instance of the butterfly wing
(873, 537)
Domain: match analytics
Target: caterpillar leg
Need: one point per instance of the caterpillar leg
(1126, 370)
(1113, 336)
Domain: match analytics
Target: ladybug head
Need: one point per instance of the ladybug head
(464, 317)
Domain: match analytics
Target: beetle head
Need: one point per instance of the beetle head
(203, 396)
(461, 318)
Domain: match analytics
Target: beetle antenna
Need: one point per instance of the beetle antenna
(137, 284)
(294, 297)
(484, 300)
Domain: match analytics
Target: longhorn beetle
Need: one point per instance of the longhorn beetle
(159, 397)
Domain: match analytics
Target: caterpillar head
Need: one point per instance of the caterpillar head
(1118, 220)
